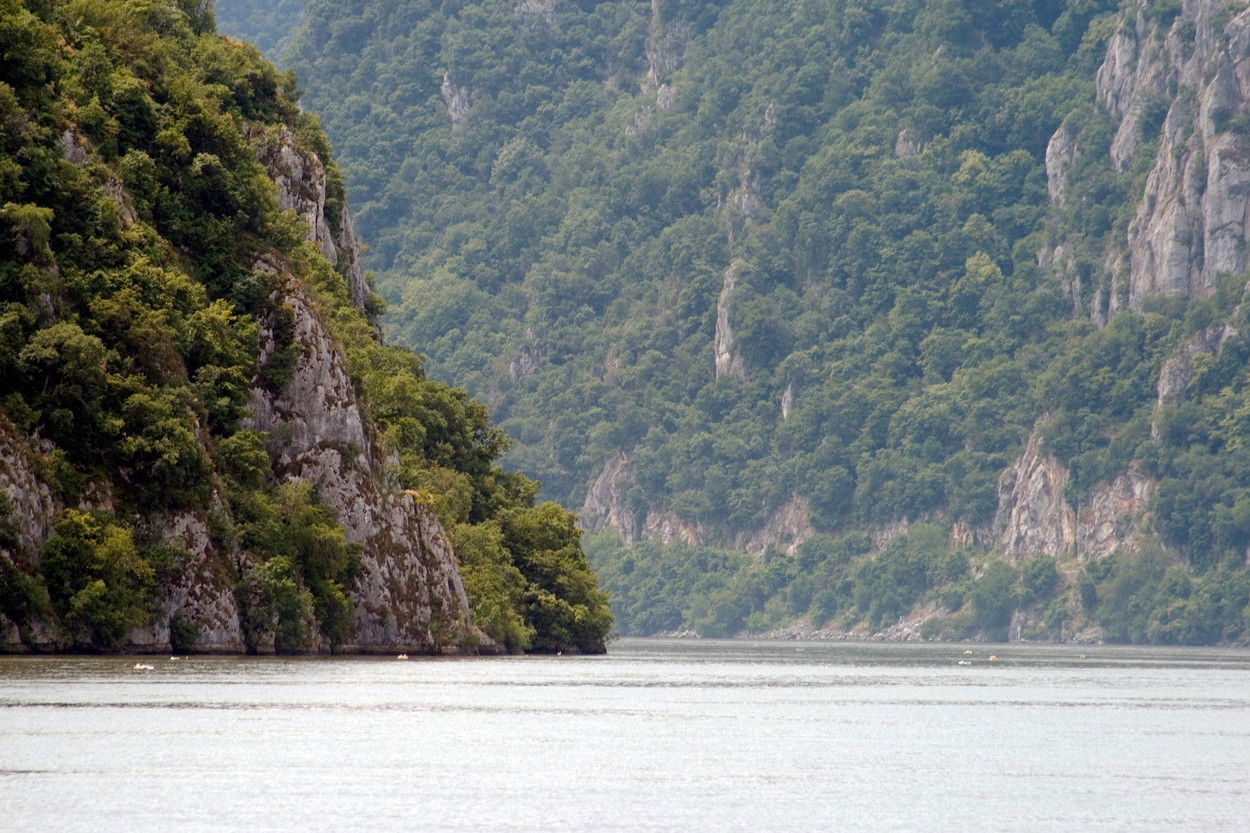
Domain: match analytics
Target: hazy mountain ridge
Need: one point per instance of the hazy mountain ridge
(755, 277)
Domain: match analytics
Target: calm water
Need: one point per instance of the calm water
(664, 736)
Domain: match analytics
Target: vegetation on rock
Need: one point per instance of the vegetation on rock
(769, 250)
(132, 293)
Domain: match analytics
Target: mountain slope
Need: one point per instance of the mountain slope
(900, 298)
(203, 444)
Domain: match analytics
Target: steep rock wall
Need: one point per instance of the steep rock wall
(607, 505)
(1034, 518)
(459, 99)
(1192, 221)
(728, 355)
(668, 40)
(409, 595)
(667, 527)
(300, 177)
(1178, 370)
(786, 530)
(31, 508)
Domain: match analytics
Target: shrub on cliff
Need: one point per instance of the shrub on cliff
(98, 582)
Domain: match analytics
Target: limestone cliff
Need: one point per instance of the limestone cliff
(408, 594)
(727, 353)
(458, 98)
(668, 39)
(1035, 518)
(1176, 91)
(606, 505)
(667, 527)
(786, 529)
(1178, 371)
(1186, 78)
(303, 187)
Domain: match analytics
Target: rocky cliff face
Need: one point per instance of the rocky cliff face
(667, 527)
(786, 529)
(408, 596)
(201, 594)
(1176, 88)
(1034, 517)
(302, 186)
(606, 505)
(30, 506)
(459, 99)
(728, 355)
(544, 10)
(1178, 371)
(668, 39)
(409, 593)
(1192, 220)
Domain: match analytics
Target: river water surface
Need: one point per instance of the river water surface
(657, 736)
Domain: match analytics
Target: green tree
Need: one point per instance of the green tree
(99, 584)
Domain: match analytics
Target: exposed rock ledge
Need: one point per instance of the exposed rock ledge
(1193, 220)
(409, 593)
(1034, 517)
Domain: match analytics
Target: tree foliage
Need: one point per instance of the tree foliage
(557, 199)
(134, 211)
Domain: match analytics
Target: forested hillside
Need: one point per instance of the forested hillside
(203, 444)
(833, 311)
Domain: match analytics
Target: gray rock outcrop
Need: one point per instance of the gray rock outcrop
(786, 530)
(907, 144)
(30, 508)
(1061, 154)
(729, 361)
(1178, 370)
(1034, 517)
(459, 99)
(607, 501)
(668, 40)
(666, 527)
(300, 177)
(1192, 222)
(408, 595)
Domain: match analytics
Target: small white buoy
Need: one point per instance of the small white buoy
(402, 656)
(993, 658)
(967, 652)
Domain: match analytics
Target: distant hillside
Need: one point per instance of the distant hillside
(204, 446)
(268, 25)
(833, 312)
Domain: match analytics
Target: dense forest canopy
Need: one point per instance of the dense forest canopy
(137, 220)
(770, 250)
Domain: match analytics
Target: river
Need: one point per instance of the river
(656, 736)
